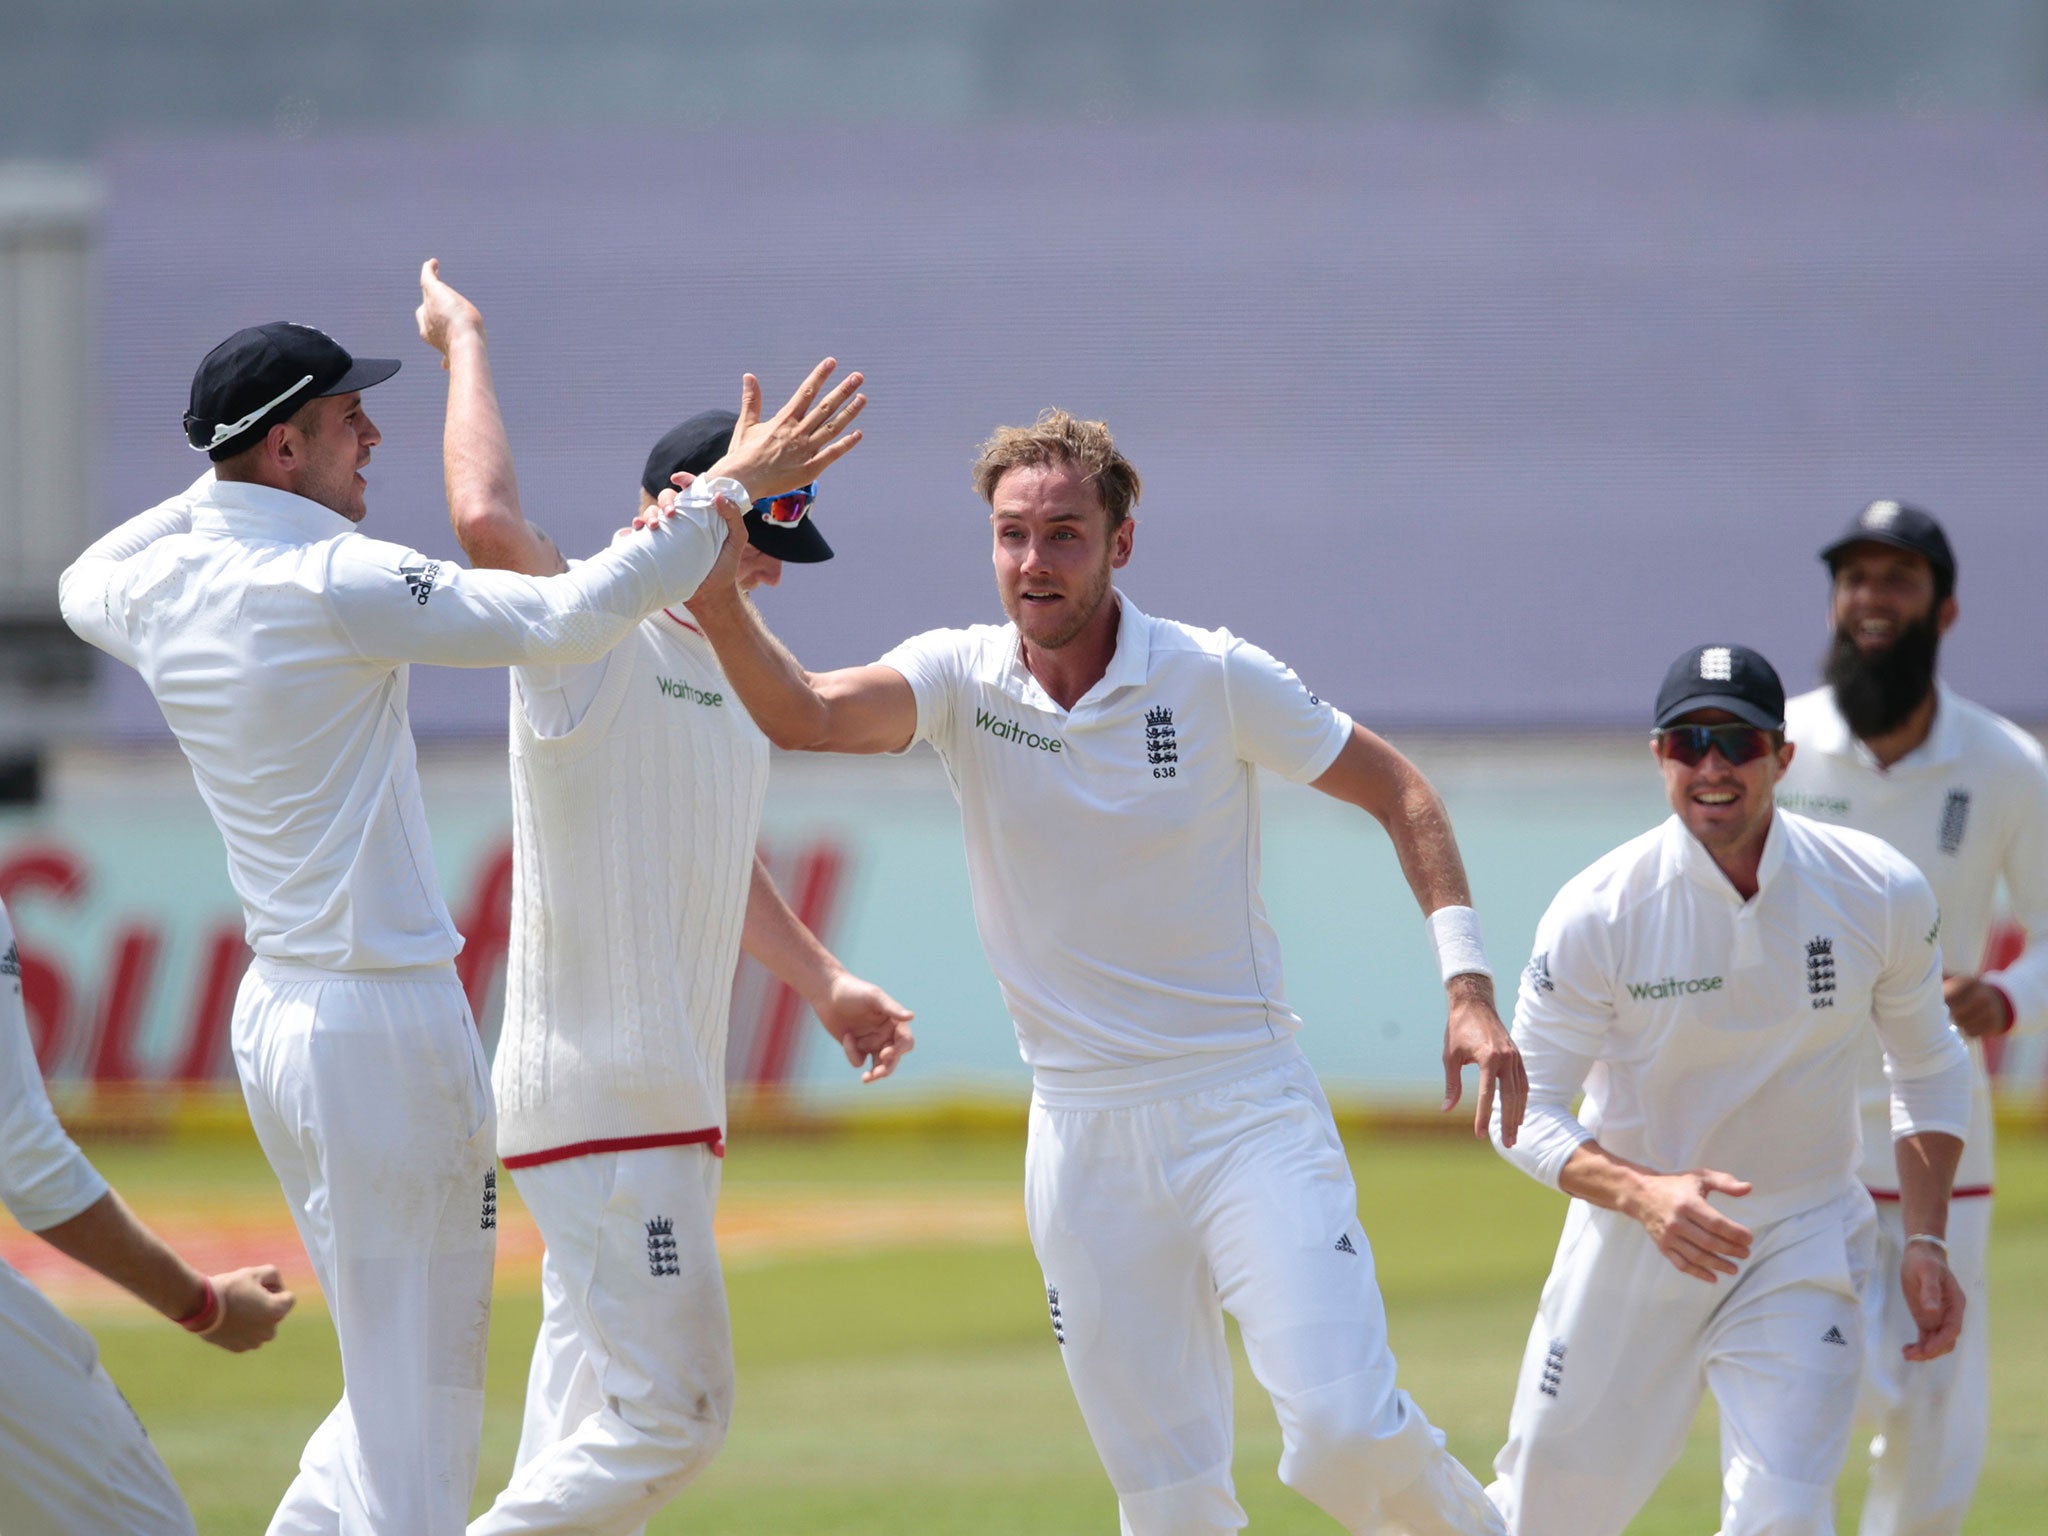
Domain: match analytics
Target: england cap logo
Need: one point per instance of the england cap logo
(1733, 678)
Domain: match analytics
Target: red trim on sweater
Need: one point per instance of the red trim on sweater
(1967, 1192)
(693, 629)
(711, 1137)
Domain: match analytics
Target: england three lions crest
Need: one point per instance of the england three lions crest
(1162, 747)
(1820, 972)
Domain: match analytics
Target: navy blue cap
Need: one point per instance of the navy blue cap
(1902, 527)
(260, 376)
(1730, 677)
(694, 447)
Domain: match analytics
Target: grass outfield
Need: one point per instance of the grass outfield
(914, 1386)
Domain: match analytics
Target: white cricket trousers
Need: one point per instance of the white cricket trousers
(74, 1460)
(1932, 1415)
(372, 1099)
(631, 1388)
(1157, 1204)
(1624, 1344)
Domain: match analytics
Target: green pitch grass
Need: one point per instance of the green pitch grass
(918, 1389)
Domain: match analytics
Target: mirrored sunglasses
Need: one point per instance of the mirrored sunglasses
(790, 508)
(1689, 744)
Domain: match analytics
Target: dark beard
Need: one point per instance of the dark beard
(1877, 691)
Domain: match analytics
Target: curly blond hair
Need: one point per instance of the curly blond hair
(1058, 438)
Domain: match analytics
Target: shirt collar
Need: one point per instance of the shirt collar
(1129, 665)
(1944, 743)
(242, 507)
(1687, 856)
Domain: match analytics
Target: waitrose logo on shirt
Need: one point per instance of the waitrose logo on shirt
(1011, 730)
(1671, 986)
(1818, 805)
(676, 689)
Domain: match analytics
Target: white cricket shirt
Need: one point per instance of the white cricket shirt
(276, 639)
(44, 1178)
(1714, 1032)
(1113, 849)
(1969, 807)
(637, 788)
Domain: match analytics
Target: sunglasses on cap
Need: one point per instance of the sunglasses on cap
(790, 508)
(1689, 744)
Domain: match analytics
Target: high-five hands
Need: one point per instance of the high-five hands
(795, 445)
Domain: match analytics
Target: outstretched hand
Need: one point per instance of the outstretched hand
(796, 444)
(1474, 1037)
(443, 314)
(1935, 1298)
(252, 1303)
(870, 1025)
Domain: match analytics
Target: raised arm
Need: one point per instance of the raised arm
(476, 455)
(1371, 775)
(813, 429)
(872, 1028)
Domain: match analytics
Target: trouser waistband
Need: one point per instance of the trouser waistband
(1146, 1082)
(273, 968)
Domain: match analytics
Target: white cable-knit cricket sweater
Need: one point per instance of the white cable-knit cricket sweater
(633, 843)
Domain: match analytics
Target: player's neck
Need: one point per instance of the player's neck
(1918, 726)
(1742, 862)
(1069, 672)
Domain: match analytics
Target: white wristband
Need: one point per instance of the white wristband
(1455, 933)
(1931, 1241)
(702, 492)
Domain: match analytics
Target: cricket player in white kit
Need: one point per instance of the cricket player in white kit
(1182, 1159)
(277, 641)
(74, 1460)
(637, 785)
(1712, 986)
(1964, 794)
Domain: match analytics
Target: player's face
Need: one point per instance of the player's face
(331, 442)
(1054, 551)
(758, 570)
(1724, 805)
(1880, 592)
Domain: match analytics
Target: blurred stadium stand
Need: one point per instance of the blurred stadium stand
(75, 73)
(48, 218)
(1478, 354)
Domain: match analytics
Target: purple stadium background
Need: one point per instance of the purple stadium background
(1475, 424)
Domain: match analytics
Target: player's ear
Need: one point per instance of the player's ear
(1945, 614)
(281, 447)
(1784, 755)
(1120, 540)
